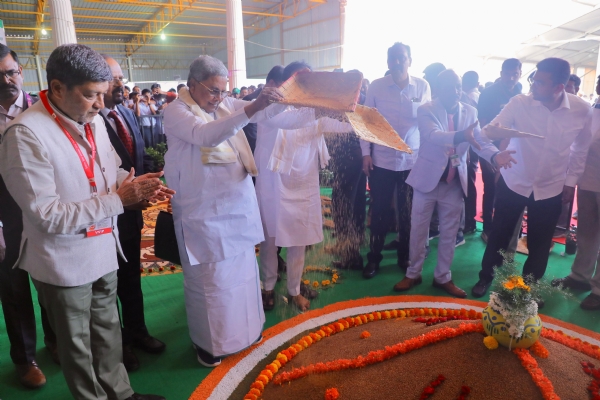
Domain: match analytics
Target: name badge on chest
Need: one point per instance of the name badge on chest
(101, 228)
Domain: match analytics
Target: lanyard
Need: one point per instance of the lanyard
(88, 168)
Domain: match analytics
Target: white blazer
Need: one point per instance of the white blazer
(436, 140)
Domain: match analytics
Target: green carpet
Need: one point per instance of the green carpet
(176, 373)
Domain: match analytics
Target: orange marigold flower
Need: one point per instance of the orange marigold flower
(370, 317)
(339, 327)
(377, 315)
(306, 282)
(539, 350)
(257, 385)
(303, 343)
(394, 313)
(402, 313)
(250, 396)
(277, 363)
(357, 321)
(315, 284)
(281, 357)
(365, 335)
(364, 319)
(263, 379)
(255, 392)
(298, 347)
(267, 373)
(308, 339)
(490, 342)
(273, 368)
(386, 315)
(332, 394)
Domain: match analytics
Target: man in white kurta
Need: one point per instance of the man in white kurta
(289, 193)
(217, 222)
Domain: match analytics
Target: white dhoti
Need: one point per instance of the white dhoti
(223, 304)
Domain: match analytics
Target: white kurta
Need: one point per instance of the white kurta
(217, 224)
(289, 195)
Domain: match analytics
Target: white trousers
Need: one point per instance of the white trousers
(449, 200)
(223, 304)
(268, 265)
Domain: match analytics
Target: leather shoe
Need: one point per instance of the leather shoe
(480, 288)
(31, 375)
(570, 283)
(130, 360)
(592, 302)
(370, 270)
(407, 283)
(137, 396)
(149, 344)
(451, 289)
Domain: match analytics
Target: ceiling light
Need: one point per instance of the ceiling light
(44, 32)
(163, 36)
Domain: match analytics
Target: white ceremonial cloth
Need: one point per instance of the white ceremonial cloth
(223, 304)
(297, 156)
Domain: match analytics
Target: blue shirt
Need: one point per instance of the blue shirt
(399, 108)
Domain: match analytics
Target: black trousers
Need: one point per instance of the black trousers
(541, 221)
(382, 183)
(488, 175)
(348, 195)
(19, 316)
(129, 291)
(471, 199)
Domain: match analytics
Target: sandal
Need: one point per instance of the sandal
(268, 299)
(307, 292)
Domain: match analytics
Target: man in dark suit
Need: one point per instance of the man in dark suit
(125, 136)
(15, 290)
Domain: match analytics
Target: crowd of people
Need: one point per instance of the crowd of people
(243, 169)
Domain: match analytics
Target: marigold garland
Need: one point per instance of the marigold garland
(378, 356)
(572, 343)
(490, 342)
(540, 380)
(332, 394)
(365, 335)
(539, 350)
(285, 356)
(430, 389)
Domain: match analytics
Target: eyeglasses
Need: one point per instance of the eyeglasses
(10, 73)
(216, 92)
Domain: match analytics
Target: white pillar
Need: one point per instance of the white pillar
(61, 20)
(236, 53)
(38, 67)
(343, 4)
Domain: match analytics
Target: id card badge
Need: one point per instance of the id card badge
(100, 228)
(455, 160)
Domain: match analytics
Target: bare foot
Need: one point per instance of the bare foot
(301, 302)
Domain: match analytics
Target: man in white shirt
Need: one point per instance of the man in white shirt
(397, 97)
(15, 289)
(546, 170)
(585, 274)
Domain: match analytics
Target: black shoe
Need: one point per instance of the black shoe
(480, 288)
(393, 245)
(433, 234)
(470, 229)
(569, 283)
(592, 302)
(307, 292)
(205, 358)
(53, 349)
(149, 344)
(354, 264)
(137, 396)
(370, 270)
(130, 360)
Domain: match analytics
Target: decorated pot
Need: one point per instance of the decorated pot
(494, 325)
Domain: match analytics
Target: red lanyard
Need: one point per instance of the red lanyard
(88, 168)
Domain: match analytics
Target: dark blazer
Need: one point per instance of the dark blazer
(11, 216)
(250, 129)
(130, 223)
